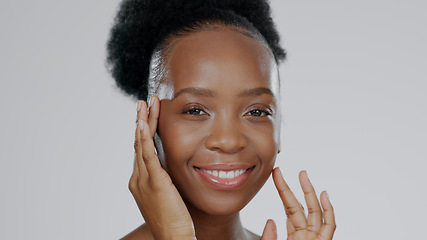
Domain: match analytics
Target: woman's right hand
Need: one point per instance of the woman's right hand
(157, 198)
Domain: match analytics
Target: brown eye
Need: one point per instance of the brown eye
(194, 111)
(258, 113)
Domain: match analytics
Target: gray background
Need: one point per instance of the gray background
(354, 103)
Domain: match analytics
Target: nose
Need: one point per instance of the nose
(226, 136)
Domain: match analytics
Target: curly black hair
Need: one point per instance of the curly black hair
(142, 26)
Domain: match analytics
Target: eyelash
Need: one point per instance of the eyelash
(262, 113)
(192, 110)
(196, 111)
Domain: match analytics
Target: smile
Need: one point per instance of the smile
(224, 177)
(225, 174)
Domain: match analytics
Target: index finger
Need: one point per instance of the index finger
(292, 206)
(149, 155)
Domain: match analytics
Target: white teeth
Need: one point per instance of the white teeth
(230, 174)
(225, 174)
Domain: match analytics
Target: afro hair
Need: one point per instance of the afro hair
(140, 26)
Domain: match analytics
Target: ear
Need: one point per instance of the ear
(279, 146)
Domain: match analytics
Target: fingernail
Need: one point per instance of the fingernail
(140, 125)
(327, 195)
(151, 101)
(138, 105)
(280, 172)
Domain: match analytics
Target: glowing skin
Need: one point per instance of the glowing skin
(217, 126)
(223, 111)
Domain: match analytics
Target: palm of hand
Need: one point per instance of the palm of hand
(304, 235)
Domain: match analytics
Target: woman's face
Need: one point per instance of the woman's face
(220, 129)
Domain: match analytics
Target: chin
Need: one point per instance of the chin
(220, 202)
(218, 207)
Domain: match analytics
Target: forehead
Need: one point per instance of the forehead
(221, 57)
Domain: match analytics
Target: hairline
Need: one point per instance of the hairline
(159, 73)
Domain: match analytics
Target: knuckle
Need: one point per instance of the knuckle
(144, 138)
(137, 144)
(148, 157)
(292, 210)
(332, 225)
(313, 210)
(281, 190)
(140, 185)
(161, 182)
(154, 117)
(310, 226)
(132, 186)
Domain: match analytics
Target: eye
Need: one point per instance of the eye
(195, 111)
(258, 113)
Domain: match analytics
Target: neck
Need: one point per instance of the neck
(214, 227)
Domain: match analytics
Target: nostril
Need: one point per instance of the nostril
(226, 145)
(226, 136)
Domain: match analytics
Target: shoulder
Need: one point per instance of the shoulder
(252, 236)
(142, 232)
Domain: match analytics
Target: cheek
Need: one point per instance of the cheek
(264, 142)
(180, 141)
(266, 149)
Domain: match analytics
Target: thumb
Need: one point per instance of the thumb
(270, 231)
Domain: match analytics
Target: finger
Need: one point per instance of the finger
(292, 207)
(142, 111)
(153, 115)
(289, 227)
(329, 225)
(149, 155)
(314, 217)
(140, 165)
(270, 231)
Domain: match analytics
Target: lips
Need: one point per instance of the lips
(225, 176)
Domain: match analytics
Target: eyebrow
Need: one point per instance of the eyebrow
(255, 92)
(209, 93)
(196, 91)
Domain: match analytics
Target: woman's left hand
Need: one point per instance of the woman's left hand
(318, 225)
